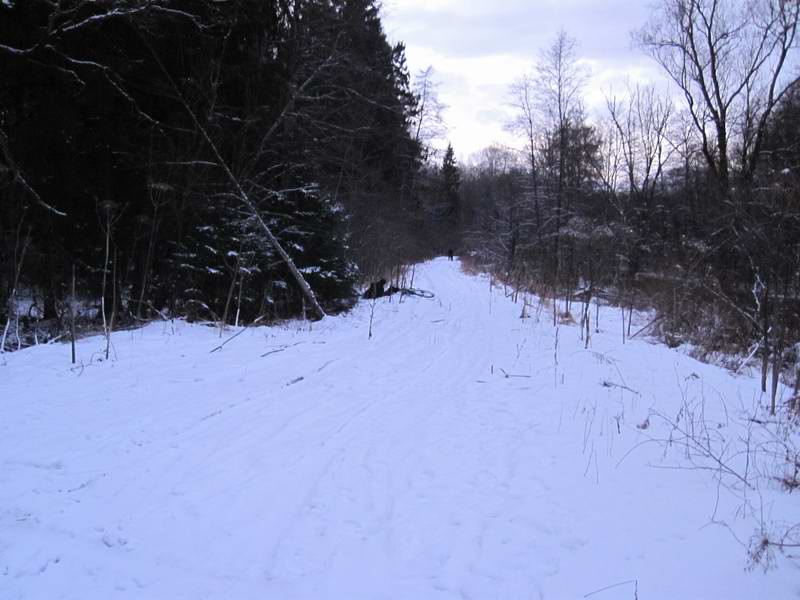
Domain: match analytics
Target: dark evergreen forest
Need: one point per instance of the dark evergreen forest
(147, 146)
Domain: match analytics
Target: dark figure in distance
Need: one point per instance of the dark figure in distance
(450, 254)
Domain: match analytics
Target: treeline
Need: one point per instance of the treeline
(160, 154)
(687, 204)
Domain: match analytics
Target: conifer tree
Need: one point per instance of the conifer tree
(451, 184)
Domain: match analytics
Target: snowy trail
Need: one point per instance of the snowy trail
(406, 466)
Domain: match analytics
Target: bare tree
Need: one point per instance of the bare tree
(20, 248)
(107, 217)
(496, 177)
(560, 80)
(524, 124)
(643, 122)
(728, 59)
(428, 125)
(610, 167)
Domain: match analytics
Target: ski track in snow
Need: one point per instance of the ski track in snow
(407, 466)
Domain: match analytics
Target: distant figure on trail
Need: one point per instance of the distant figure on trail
(450, 254)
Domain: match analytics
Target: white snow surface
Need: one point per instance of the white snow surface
(406, 466)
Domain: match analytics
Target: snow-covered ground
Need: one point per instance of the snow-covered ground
(462, 452)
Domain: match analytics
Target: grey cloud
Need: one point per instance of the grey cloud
(513, 31)
(520, 28)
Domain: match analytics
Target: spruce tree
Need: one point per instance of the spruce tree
(451, 184)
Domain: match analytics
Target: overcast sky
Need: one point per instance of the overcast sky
(477, 48)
